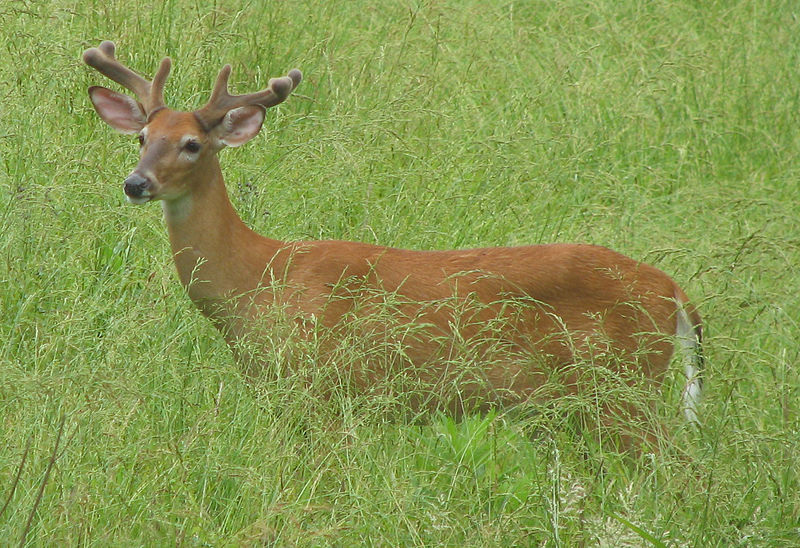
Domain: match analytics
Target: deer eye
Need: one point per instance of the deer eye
(192, 147)
(140, 138)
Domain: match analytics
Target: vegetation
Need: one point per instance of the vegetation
(665, 130)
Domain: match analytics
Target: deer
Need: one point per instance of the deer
(526, 314)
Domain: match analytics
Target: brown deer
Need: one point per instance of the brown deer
(526, 315)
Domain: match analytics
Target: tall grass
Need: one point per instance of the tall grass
(665, 130)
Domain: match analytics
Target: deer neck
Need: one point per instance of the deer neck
(217, 256)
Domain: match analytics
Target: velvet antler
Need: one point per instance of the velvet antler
(149, 93)
(221, 101)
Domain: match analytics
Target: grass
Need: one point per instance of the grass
(665, 130)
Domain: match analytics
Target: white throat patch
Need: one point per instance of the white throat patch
(177, 210)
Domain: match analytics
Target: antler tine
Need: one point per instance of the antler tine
(150, 94)
(157, 89)
(222, 101)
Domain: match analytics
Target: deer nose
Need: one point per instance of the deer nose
(135, 185)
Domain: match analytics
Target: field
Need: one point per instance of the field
(665, 130)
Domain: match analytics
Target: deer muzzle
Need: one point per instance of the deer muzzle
(137, 188)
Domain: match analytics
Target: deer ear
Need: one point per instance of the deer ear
(119, 111)
(240, 125)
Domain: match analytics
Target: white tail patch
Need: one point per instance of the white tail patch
(688, 340)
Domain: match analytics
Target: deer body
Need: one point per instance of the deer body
(528, 310)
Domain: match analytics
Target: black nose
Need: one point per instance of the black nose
(135, 185)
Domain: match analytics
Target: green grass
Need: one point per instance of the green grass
(665, 130)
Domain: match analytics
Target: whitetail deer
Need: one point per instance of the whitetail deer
(527, 313)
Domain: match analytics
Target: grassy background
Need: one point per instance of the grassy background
(665, 130)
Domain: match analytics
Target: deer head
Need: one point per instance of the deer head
(177, 149)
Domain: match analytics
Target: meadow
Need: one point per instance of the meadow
(665, 130)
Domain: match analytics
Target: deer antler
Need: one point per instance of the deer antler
(150, 94)
(221, 101)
